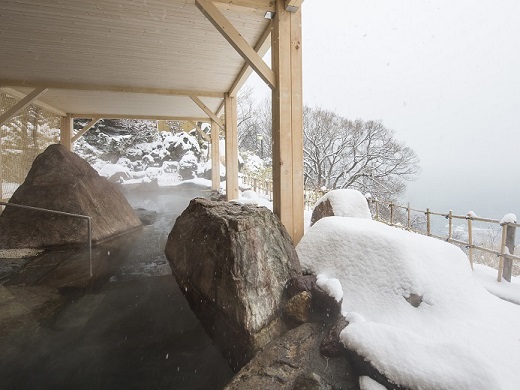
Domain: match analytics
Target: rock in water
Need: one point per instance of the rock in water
(231, 262)
(61, 180)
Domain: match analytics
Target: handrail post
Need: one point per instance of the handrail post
(409, 217)
(510, 245)
(450, 225)
(391, 213)
(470, 240)
(428, 223)
(502, 252)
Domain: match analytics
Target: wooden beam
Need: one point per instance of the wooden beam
(261, 47)
(293, 5)
(206, 110)
(199, 130)
(231, 148)
(19, 95)
(6, 116)
(215, 156)
(66, 127)
(237, 41)
(147, 117)
(288, 121)
(267, 5)
(87, 127)
(108, 88)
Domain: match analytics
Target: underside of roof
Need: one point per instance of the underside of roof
(126, 58)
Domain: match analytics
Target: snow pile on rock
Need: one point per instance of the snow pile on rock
(347, 203)
(416, 312)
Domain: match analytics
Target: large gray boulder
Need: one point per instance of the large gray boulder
(231, 262)
(61, 180)
(293, 362)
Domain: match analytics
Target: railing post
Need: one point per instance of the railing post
(502, 252)
(450, 225)
(391, 213)
(428, 223)
(470, 240)
(510, 245)
(408, 210)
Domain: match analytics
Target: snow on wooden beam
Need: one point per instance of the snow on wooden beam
(206, 110)
(19, 95)
(6, 116)
(108, 88)
(87, 127)
(236, 40)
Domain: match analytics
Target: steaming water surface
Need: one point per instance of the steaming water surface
(134, 329)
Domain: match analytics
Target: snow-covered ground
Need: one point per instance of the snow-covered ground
(416, 310)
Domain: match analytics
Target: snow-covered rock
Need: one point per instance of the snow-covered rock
(341, 203)
(456, 336)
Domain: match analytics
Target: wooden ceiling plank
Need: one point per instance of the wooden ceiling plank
(87, 127)
(236, 40)
(206, 109)
(108, 88)
(21, 105)
(267, 5)
(19, 95)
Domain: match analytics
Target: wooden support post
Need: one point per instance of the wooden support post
(470, 240)
(231, 148)
(391, 213)
(1, 172)
(510, 245)
(215, 156)
(66, 131)
(428, 223)
(288, 120)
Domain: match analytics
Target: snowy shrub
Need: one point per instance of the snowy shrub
(188, 166)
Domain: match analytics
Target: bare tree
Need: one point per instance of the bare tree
(340, 153)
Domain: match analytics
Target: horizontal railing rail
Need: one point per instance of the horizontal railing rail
(507, 243)
(86, 217)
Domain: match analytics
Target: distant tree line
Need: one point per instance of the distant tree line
(338, 152)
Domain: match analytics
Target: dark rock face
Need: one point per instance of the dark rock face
(293, 362)
(232, 263)
(322, 210)
(61, 180)
(323, 307)
(331, 346)
(147, 217)
(298, 307)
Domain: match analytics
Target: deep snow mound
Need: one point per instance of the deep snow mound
(341, 203)
(415, 311)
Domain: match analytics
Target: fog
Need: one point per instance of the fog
(444, 75)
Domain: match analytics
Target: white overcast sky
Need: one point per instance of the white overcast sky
(445, 75)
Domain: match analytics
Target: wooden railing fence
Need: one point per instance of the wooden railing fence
(507, 243)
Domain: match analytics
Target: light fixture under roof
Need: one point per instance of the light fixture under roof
(269, 14)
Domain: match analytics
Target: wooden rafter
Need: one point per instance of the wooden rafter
(108, 88)
(146, 117)
(236, 40)
(21, 105)
(87, 127)
(206, 110)
(19, 95)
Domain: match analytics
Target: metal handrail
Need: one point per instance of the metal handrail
(89, 223)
